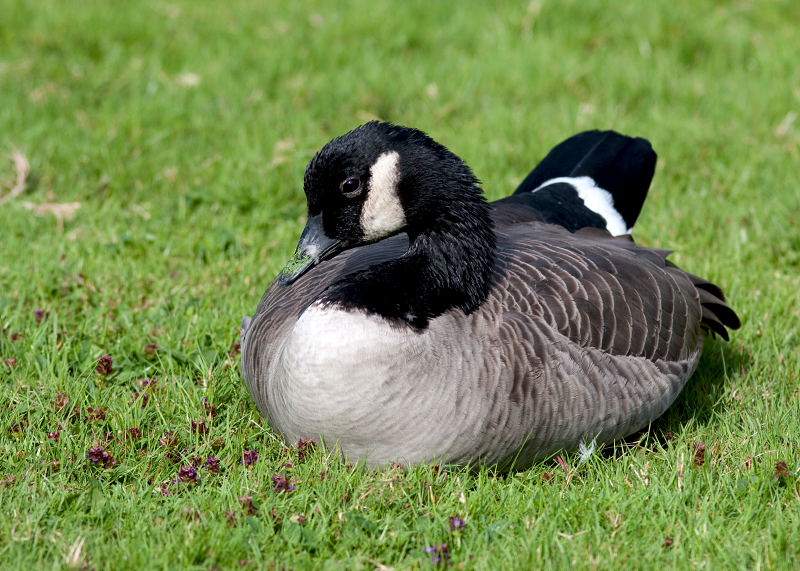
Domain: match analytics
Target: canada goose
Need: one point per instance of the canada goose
(418, 323)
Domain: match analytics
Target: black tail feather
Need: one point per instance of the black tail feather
(620, 165)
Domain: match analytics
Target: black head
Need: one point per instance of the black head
(373, 182)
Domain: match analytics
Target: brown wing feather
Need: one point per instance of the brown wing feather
(604, 292)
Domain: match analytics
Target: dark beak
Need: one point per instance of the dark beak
(313, 248)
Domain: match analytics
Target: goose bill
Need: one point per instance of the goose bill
(314, 247)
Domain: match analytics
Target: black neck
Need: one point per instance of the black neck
(448, 265)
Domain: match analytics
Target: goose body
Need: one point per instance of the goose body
(420, 324)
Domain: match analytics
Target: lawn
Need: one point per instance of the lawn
(151, 164)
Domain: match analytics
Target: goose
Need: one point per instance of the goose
(418, 323)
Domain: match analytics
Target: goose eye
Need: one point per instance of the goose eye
(351, 187)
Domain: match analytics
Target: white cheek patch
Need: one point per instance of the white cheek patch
(383, 214)
(595, 199)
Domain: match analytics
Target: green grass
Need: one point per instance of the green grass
(183, 132)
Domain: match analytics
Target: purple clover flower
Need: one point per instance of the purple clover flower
(99, 457)
(187, 475)
(782, 472)
(198, 426)
(96, 454)
(247, 504)
(40, 315)
(105, 365)
(456, 523)
(95, 414)
(168, 440)
(134, 433)
(282, 483)
(211, 409)
(439, 551)
(20, 426)
(305, 448)
(60, 402)
(212, 464)
(56, 434)
(249, 457)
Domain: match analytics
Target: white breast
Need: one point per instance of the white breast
(378, 391)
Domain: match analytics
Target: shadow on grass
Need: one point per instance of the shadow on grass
(720, 363)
